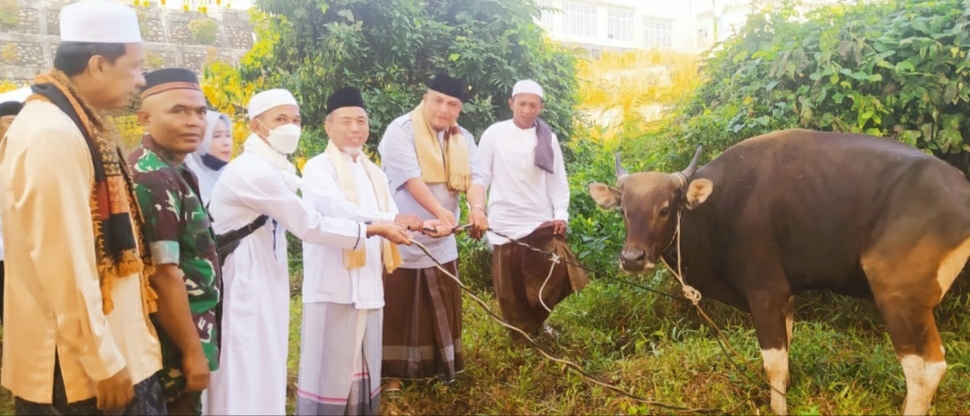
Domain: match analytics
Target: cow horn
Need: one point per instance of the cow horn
(689, 172)
(620, 172)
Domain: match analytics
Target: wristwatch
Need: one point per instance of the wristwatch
(485, 211)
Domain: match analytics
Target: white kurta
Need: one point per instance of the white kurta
(521, 196)
(341, 343)
(325, 279)
(256, 303)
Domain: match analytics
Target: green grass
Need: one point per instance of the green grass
(841, 361)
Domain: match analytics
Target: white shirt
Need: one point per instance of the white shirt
(399, 159)
(256, 283)
(521, 196)
(325, 279)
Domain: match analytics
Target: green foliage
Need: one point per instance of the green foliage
(887, 68)
(9, 53)
(204, 31)
(153, 61)
(9, 14)
(389, 49)
(659, 348)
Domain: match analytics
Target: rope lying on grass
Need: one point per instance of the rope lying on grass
(575, 367)
(690, 294)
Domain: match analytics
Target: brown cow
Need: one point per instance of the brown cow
(797, 210)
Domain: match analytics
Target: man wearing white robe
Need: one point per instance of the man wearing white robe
(255, 321)
(528, 200)
(343, 291)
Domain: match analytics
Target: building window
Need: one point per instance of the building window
(619, 24)
(545, 13)
(580, 19)
(657, 33)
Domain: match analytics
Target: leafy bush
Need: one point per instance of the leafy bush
(887, 68)
(390, 48)
(9, 53)
(204, 31)
(9, 14)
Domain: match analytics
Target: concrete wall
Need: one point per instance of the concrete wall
(28, 48)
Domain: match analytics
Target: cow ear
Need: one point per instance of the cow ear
(605, 196)
(698, 191)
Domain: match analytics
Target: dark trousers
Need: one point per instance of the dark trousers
(148, 401)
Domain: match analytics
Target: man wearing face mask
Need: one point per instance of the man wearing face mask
(255, 201)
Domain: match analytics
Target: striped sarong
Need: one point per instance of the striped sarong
(422, 335)
(340, 360)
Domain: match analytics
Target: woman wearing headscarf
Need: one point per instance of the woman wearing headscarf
(212, 154)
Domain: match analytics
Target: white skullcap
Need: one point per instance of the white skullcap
(527, 86)
(99, 21)
(268, 99)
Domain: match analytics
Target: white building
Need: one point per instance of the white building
(689, 26)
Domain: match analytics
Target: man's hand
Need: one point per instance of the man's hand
(394, 233)
(114, 393)
(479, 223)
(446, 217)
(559, 227)
(435, 228)
(411, 222)
(195, 367)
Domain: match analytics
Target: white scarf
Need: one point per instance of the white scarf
(258, 147)
(354, 259)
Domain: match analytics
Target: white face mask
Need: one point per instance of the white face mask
(285, 139)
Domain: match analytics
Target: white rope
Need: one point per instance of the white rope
(555, 261)
(567, 363)
(689, 292)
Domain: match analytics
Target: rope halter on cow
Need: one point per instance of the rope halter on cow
(689, 292)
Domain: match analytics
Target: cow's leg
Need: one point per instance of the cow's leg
(769, 313)
(907, 287)
(920, 351)
(790, 318)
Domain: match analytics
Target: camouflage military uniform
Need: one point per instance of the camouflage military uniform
(178, 230)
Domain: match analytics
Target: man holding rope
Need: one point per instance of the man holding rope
(429, 160)
(529, 202)
(343, 294)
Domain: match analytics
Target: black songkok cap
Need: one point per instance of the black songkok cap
(169, 79)
(447, 85)
(10, 108)
(345, 97)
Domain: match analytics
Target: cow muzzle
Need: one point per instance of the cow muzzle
(634, 260)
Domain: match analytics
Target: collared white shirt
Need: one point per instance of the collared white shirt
(399, 160)
(325, 279)
(521, 196)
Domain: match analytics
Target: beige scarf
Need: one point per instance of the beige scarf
(453, 169)
(354, 259)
